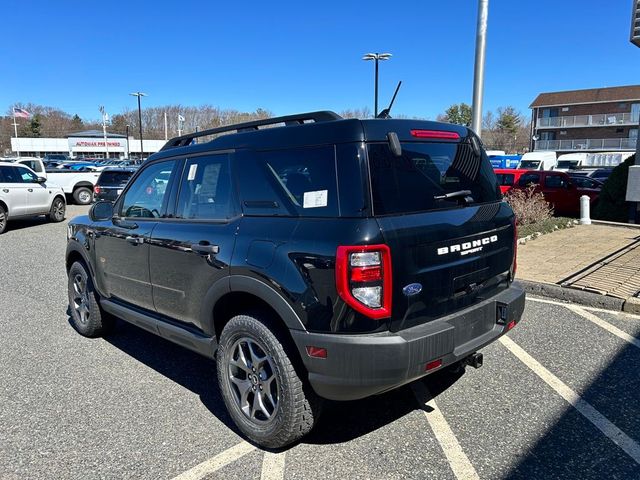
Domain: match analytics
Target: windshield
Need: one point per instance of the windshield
(417, 181)
(567, 164)
(529, 164)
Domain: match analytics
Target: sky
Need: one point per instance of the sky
(290, 57)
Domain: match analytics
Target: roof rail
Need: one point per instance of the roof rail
(298, 119)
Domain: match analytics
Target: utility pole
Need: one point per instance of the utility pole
(478, 74)
(127, 141)
(15, 129)
(105, 117)
(140, 94)
(165, 127)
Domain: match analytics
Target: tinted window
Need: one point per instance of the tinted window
(114, 178)
(32, 164)
(6, 173)
(601, 174)
(505, 178)
(425, 171)
(296, 182)
(528, 179)
(555, 181)
(205, 191)
(146, 195)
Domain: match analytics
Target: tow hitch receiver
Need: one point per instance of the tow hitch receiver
(474, 360)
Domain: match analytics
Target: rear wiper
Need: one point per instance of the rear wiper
(464, 195)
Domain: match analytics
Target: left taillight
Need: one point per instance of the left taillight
(363, 279)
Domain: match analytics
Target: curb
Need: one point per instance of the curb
(580, 297)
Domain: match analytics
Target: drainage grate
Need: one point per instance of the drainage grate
(616, 276)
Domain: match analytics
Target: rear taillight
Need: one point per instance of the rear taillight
(96, 189)
(363, 279)
(514, 262)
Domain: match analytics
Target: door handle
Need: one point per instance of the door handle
(205, 249)
(135, 240)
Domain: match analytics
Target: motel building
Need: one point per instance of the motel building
(87, 144)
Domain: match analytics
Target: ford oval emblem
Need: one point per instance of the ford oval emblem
(412, 289)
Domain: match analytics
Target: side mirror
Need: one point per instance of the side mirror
(41, 180)
(101, 211)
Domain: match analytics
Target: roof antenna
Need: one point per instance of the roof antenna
(385, 113)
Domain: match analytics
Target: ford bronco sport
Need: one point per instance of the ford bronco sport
(313, 257)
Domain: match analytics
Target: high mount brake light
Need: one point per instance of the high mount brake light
(363, 279)
(436, 134)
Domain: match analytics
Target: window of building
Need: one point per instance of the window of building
(563, 132)
(565, 109)
(145, 197)
(205, 191)
(633, 133)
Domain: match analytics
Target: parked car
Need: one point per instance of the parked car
(25, 194)
(77, 185)
(111, 182)
(319, 257)
(508, 177)
(559, 190)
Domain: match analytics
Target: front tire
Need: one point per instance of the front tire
(83, 196)
(86, 315)
(4, 217)
(57, 211)
(261, 389)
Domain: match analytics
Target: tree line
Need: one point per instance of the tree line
(505, 129)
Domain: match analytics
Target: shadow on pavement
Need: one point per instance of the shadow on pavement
(340, 421)
(573, 448)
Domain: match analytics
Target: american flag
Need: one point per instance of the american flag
(19, 112)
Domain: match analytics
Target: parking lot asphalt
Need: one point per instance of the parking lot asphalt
(557, 398)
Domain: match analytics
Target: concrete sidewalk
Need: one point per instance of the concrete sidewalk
(594, 264)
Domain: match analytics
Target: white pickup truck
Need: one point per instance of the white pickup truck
(77, 185)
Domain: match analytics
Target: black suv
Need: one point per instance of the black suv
(323, 258)
(111, 183)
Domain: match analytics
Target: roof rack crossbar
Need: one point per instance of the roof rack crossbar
(298, 119)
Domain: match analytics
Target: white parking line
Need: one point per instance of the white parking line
(216, 463)
(564, 304)
(273, 466)
(601, 422)
(606, 325)
(458, 460)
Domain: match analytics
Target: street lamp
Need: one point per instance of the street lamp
(140, 94)
(377, 57)
(127, 142)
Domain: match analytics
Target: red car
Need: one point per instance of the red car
(508, 177)
(559, 190)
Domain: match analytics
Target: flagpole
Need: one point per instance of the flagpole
(179, 130)
(165, 127)
(15, 129)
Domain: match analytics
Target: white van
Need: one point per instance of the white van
(570, 161)
(538, 161)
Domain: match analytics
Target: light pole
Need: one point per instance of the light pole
(127, 129)
(105, 118)
(478, 74)
(377, 57)
(140, 94)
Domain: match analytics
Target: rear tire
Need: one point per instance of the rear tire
(86, 315)
(57, 211)
(83, 196)
(261, 389)
(3, 219)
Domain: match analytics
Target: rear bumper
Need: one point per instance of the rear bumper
(358, 366)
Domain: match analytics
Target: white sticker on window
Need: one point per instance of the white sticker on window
(192, 172)
(315, 199)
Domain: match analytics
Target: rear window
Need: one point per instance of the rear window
(505, 179)
(114, 178)
(425, 171)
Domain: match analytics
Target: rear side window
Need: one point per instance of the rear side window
(529, 179)
(295, 182)
(505, 179)
(426, 171)
(205, 190)
(114, 178)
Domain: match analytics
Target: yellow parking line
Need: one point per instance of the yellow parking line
(216, 463)
(601, 422)
(606, 325)
(458, 460)
(273, 466)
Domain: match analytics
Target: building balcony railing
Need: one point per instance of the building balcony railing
(607, 144)
(598, 120)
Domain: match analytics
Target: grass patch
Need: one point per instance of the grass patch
(545, 226)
